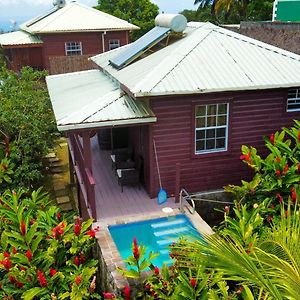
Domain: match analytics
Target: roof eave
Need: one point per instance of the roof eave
(141, 94)
(70, 127)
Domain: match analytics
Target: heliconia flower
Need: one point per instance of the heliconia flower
(109, 296)
(77, 227)
(279, 197)
(6, 264)
(193, 282)
(6, 254)
(42, 279)
(78, 279)
(28, 255)
(23, 228)
(278, 159)
(278, 173)
(82, 258)
(156, 271)
(246, 157)
(272, 138)
(127, 292)
(286, 168)
(77, 261)
(293, 194)
(14, 250)
(52, 272)
(91, 233)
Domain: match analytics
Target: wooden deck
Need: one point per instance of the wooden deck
(110, 201)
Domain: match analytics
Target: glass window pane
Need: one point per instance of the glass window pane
(210, 133)
(292, 93)
(200, 110)
(220, 143)
(221, 132)
(222, 109)
(210, 144)
(200, 122)
(211, 121)
(222, 120)
(211, 110)
(200, 134)
(200, 145)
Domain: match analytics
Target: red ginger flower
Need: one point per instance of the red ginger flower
(127, 292)
(91, 233)
(78, 279)
(77, 261)
(23, 228)
(52, 272)
(294, 195)
(279, 197)
(6, 254)
(278, 159)
(156, 271)
(82, 258)
(286, 168)
(269, 219)
(42, 279)
(299, 168)
(58, 230)
(272, 138)
(6, 264)
(28, 255)
(226, 210)
(11, 278)
(58, 215)
(77, 227)
(135, 250)
(14, 250)
(193, 282)
(109, 296)
(278, 173)
(299, 136)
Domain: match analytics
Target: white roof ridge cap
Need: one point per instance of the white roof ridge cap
(72, 73)
(181, 56)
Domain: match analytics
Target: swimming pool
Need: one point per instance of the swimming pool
(157, 235)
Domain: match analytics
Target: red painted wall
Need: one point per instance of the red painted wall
(252, 115)
(54, 44)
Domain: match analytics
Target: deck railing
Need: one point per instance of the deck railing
(84, 174)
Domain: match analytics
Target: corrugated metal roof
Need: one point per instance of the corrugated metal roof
(90, 99)
(76, 17)
(19, 38)
(207, 59)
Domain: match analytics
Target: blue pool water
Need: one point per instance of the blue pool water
(157, 235)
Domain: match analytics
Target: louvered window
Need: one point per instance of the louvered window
(293, 101)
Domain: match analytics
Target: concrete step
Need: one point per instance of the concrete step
(63, 199)
(50, 155)
(56, 164)
(66, 206)
(53, 160)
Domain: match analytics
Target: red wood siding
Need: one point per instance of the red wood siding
(54, 44)
(21, 57)
(252, 115)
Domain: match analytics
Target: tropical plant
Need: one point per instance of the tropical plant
(27, 120)
(141, 13)
(43, 254)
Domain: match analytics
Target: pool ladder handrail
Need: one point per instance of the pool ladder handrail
(186, 197)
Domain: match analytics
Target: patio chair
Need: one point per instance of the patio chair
(130, 176)
(121, 158)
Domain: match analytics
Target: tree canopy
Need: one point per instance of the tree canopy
(141, 13)
(228, 11)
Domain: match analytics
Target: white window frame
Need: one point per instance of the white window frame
(71, 52)
(112, 44)
(292, 100)
(211, 127)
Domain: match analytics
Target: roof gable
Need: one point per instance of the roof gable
(75, 17)
(207, 59)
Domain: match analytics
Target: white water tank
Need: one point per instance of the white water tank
(176, 22)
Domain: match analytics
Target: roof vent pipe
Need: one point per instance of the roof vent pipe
(59, 3)
(176, 22)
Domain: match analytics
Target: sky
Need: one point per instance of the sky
(20, 11)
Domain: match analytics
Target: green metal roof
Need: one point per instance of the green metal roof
(286, 11)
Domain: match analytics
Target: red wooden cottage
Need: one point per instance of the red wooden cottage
(197, 96)
(63, 39)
